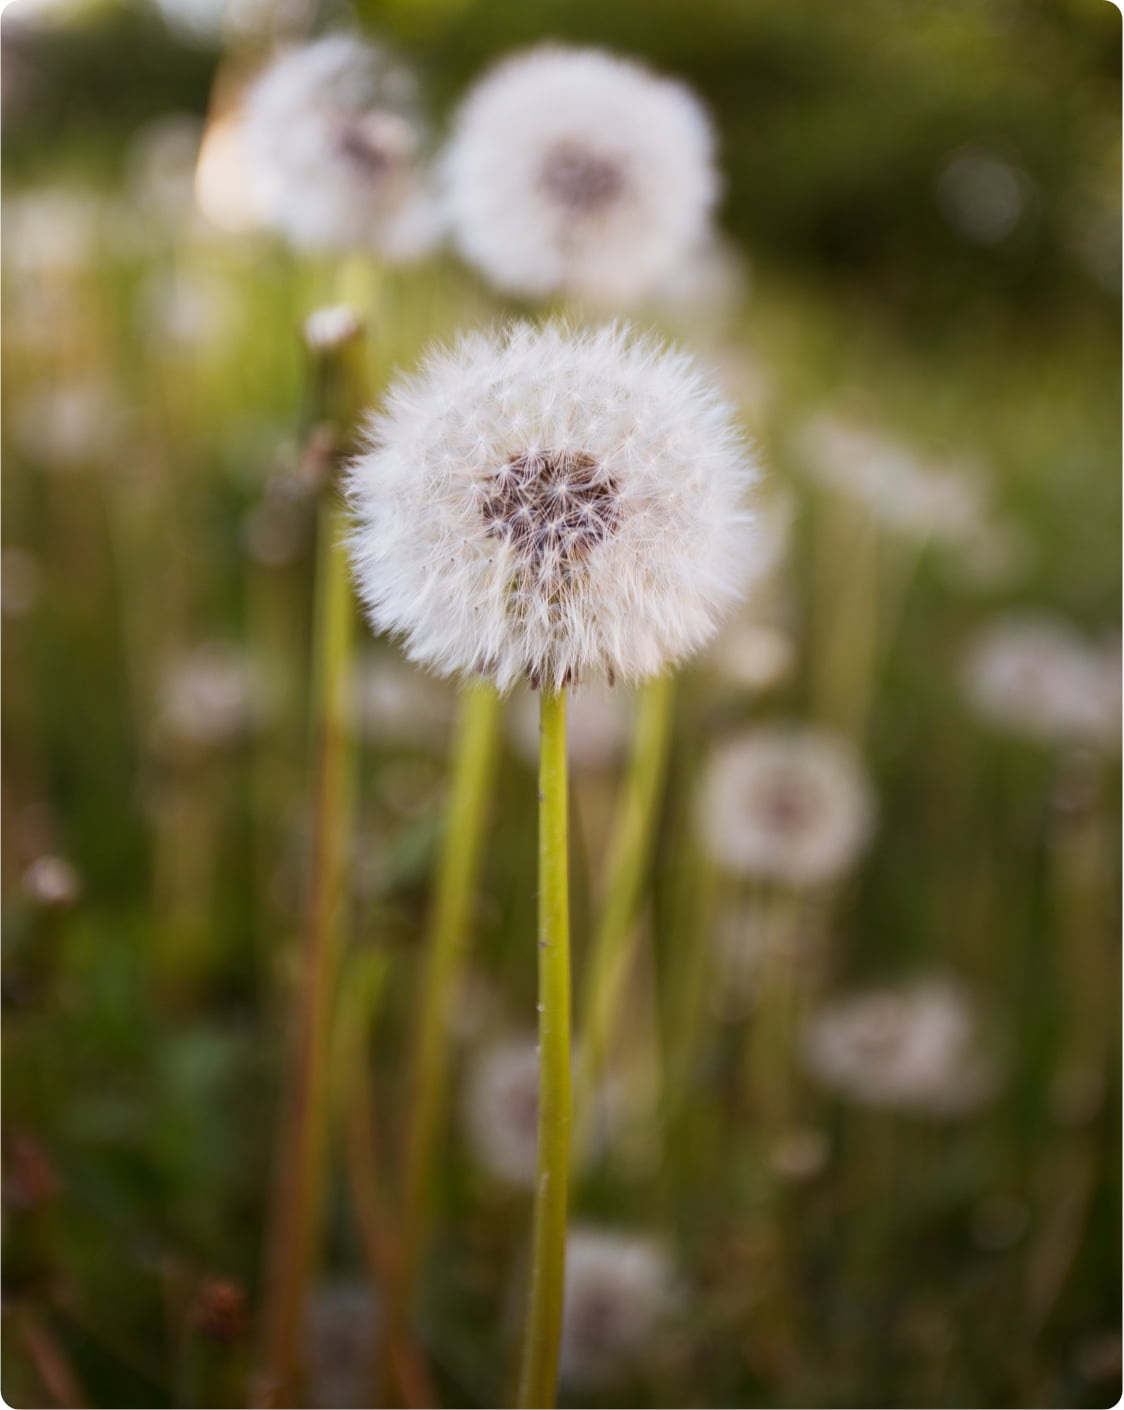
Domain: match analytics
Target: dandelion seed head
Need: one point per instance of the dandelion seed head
(1035, 675)
(551, 505)
(330, 133)
(392, 703)
(937, 500)
(919, 1047)
(53, 881)
(619, 1288)
(786, 804)
(210, 695)
(572, 171)
(501, 1110)
(330, 327)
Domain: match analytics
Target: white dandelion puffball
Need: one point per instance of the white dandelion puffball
(920, 1047)
(391, 703)
(330, 136)
(786, 804)
(1035, 675)
(619, 1289)
(941, 501)
(210, 695)
(547, 504)
(501, 1111)
(571, 171)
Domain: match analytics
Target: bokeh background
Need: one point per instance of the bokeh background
(922, 210)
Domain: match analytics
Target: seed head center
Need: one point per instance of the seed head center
(580, 180)
(552, 508)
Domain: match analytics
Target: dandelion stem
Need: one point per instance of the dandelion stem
(473, 760)
(633, 832)
(539, 1372)
(301, 1151)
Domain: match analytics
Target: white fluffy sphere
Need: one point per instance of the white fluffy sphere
(572, 171)
(787, 804)
(548, 504)
(333, 146)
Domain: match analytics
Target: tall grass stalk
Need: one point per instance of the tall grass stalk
(538, 1377)
(338, 393)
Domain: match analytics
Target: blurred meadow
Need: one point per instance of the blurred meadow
(855, 1133)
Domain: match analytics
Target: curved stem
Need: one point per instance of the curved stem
(473, 759)
(539, 1373)
(634, 828)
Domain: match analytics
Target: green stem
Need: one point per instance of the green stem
(301, 1152)
(473, 760)
(539, 1373)
(634, 828)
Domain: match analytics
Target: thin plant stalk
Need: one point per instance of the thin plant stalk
(634, 827)
(474, 756)
(538, 1376)
(302, 1149)
(361, 994)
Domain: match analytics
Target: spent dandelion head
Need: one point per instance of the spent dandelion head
(1035, 675)
(620, 1287)
(209, 696)
(501, 1111)
(573, 172)
(786, 804)
(545, 504)
(331, 135)
(920, 1047)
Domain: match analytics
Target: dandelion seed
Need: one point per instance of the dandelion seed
(549, 505)
(572, 171)
(920, 1048)
(620, 1288)
(786, 804)
(330, 132)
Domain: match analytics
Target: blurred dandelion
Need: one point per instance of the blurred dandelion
(786, 804)
(620, 1288)
(1035, 675)
(501, 1109)
(572, 172)
(331, 132)
(21, 581)
(941, 501)
(392, 703)
(209, 696)
(921, 1047)
(982, 195)
(53, 881)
